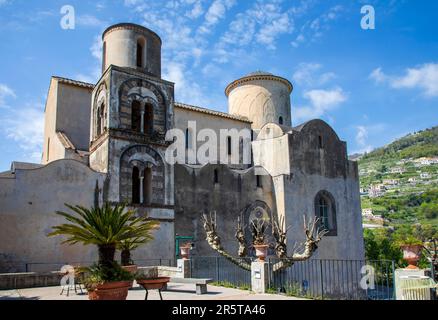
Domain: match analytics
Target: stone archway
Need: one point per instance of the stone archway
(150, 166)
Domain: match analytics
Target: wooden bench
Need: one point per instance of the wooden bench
(201, 284)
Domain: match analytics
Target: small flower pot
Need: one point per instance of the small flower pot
(412, 254)
(110, 291)
(185, 252)
(261, 252)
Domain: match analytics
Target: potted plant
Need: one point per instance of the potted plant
(412, 248)
(106, 227)
(185, 251)
(259, 242)
(129, 245)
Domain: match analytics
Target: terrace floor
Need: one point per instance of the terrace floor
(175, 292)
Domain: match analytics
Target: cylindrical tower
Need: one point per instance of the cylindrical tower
(134, 46)
(262, 98)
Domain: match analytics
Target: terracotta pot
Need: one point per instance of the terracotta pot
(185, 252)
(412, 254)
(154, 284)
(110, 291)
(132, 269)
(261, 251)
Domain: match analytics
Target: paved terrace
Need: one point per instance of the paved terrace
(180, 292)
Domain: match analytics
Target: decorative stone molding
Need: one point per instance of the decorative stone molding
(250, 78)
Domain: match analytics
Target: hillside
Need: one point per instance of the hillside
(399, 182)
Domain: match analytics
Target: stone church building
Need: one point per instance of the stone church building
(107, 142)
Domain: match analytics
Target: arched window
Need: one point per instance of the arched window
(135, 185)
(136, 116)
(280, 120)
(140, 49)
(325, 211)
(149, 118)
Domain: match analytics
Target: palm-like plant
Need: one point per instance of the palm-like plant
(106, 227)
(127, 246)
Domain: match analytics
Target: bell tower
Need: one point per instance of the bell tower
(132, 109)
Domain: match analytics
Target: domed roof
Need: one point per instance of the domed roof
(259, 73)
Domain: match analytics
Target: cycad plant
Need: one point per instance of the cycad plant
(106, 227)
(127, 246)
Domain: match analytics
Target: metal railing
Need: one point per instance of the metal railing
(335, 279)
(19, 266)
(221, 271)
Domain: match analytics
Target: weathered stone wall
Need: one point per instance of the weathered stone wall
(326, 168)
(27, 212)
(236, 192)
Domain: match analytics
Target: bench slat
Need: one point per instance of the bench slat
(191, 281)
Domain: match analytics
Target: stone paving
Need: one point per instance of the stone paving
(175, 292)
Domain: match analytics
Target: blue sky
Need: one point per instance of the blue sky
(372, 86)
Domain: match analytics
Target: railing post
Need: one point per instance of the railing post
(217, 269)
(322, 280)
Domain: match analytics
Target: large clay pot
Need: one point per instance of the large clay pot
(412, 254)
(132, 269)
(154, 284)
(185, 252)
(261, 251)
(110, 291)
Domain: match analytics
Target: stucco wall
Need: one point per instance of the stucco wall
(27, 213)
(212, 122)
(261, 101)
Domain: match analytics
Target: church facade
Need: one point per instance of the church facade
(108, 141)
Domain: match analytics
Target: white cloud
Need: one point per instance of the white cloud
(320, 102)
(363, 133)
(96, 50)
(423, 77)
(215, 13)
(312, 30)
(25, 126)
(309, 74)
(5, 92)
(87, 20)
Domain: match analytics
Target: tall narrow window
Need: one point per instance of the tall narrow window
(216, 176)
(102, 119)
(48, 150)
(229, 145)
(135, 185)
(104, 57)
(136, 116)
(147, 186)
(188, 138)
(149, 119)
(259, 182)
(139, 54)
(320, 142)
(280, 120)
(98, 122)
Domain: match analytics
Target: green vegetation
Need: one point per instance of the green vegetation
(227, 284)
(417, 145)
(408, 201)
(106, 227)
